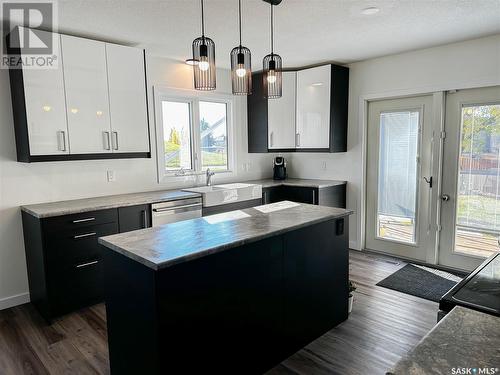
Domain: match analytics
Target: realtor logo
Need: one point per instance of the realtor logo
(27, 38)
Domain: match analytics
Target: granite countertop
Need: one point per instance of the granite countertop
(44, 210)
(464, 338)
(170, 244)
(269, 182)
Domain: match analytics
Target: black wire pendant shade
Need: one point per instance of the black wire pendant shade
(241, 66)
(204, 54)
(272, 84)
(272, 67)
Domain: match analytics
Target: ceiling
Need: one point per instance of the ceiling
(306, 31)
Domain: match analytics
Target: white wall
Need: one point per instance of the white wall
(22, 183)
(474, 63)
(468, 64)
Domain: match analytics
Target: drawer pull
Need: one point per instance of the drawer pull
(84, 235)
(83, 220)
(87, 264)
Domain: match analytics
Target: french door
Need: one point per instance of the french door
(398, 176)
(470, 207)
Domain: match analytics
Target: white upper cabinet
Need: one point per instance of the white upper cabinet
(281, 115)
(127, 99)
(46, 109)
(313, 108)
(87, 100)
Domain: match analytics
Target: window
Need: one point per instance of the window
(177, 135)
(213, 136)
(193, 133)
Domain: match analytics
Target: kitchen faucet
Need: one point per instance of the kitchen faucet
(209, 177)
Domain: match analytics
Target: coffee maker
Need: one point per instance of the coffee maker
(279, 168)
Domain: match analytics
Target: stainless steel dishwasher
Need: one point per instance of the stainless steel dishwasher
(170, 212)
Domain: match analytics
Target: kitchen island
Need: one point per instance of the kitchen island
(243, 289)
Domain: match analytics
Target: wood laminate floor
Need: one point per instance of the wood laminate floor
(383, 326)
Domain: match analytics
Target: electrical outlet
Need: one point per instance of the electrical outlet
(323, 165)
(249, 166)
(111, 175)
(246, 166)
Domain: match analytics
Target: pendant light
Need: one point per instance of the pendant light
(241, 66)
(272, 69)
(204, 54)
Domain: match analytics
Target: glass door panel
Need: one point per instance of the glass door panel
(398, 156)
(470, 210)
(398, 170)
(478, 200)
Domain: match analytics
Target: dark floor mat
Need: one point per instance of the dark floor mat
(418, 282)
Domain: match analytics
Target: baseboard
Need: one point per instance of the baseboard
(16, 300)
(354, 245)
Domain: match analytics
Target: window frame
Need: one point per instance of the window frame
(193, 98)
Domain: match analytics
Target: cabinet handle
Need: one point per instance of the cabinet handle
(297, 139)
(175, 208)
(314, 196)
(83, 220)
(114, 139)
(61, 140)
(87, 264)
(84, 235)
(107, 143)
(272, 139)
(144, 219)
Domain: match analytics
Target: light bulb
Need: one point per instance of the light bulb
(203, 64)
(241, 72)
(271, 76)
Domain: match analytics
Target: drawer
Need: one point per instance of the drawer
(77, 246)
(77, 286)
(74, 222)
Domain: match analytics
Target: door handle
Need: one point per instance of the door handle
(84, 235)
(145, 219)
(61, 140)
(114, 140)
(297, 139)
(445, 197)
(106, 140)
(83, 220)
(429, 181)
(87, 264)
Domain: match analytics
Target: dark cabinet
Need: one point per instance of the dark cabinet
(257, 116)
(64, 258)
(332, 196)
(300, 194)
(134, 217)
(255, 304)
(327, 100)
(316, 277)
(272, 194)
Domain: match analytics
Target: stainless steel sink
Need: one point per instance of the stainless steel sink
(227, 193)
